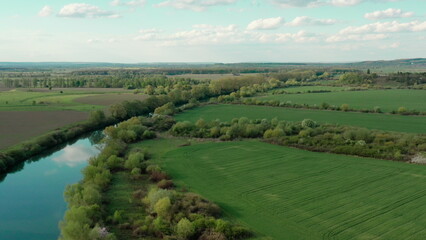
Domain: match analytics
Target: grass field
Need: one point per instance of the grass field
(120, 198)
(286, 193)
(44, 100)
(411, 124)
(18, 126)
(387, 100)
(110, 98)
(304, 89)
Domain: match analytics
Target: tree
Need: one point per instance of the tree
(185, 229)
(118, 111)
(162, 207)
(97, 117)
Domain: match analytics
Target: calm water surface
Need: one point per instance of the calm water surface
(31, 200)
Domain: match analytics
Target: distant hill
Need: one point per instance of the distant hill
(403, 64)
(413, 64)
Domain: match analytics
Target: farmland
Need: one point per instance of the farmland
(45, 100)
(25, 114)
(411, 124)
(19, 126)
(287, 193)
(387, 100)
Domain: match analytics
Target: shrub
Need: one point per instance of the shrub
(134, 160)
(402, 110)
(345, 107)
(165, 184)
(157, 176)
(135, 173)
(114, 162)
(308, 123)
(212, 235)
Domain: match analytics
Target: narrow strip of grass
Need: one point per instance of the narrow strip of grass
(119, 197)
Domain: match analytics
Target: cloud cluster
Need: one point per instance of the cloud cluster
(266, 23)
(134, 3)
(388, 13)
(83, 10)
(308, 21)
(319, 3)
(195, 5)
(355, 37)
(46, 11)
(386, 27)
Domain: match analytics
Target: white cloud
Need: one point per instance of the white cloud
(386, 27)
(304, 20)
(209, 34)
(221, 35)
(151, 30)
(388, 13)
(266, 23)
(319, 3)
(148, 35)
(391, 46)
(355, 37)
(297, 3)
(97, 40)
(344, 3)
(83, 10)
(46, 11)
(134, 3)
(300, 36)
(195, 5)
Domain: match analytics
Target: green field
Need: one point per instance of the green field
(411, 124)
(304, 89)
(24, 100)
(286, 193)
(387, 100)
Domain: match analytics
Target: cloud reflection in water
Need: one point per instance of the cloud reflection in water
(74, 155)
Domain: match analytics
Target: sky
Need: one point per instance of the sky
(137, 31)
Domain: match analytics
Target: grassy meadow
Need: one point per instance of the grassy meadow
(285, 193)
(410, 124)
(387, 100)
(79, 100)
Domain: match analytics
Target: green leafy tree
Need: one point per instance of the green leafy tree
(185, 229)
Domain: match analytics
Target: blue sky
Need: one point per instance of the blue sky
(133, 31)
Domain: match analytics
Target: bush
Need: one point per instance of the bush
(134, 160)
(212, 235)
(114, 162)
(344, 107)
(308, 123)
(135, 173)
(165, 184)
(157, 176)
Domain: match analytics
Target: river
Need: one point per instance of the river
(31, 198)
